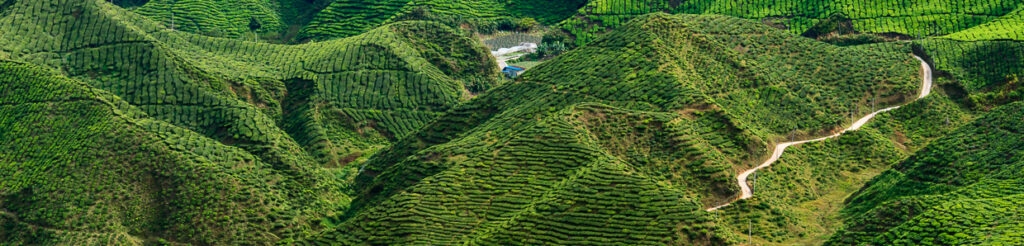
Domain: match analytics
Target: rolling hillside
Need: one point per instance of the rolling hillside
(82, 165)
(228, 90)
(344, 18)
(550, 159)
(356, 122)
(246, 19)
(962, 189)
(297, 114)
(888, 18)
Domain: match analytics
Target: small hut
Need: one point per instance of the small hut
(512, 71)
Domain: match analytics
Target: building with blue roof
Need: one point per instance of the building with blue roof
(512, 71)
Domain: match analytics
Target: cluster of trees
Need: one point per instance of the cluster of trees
(549, 49)
(510, 39)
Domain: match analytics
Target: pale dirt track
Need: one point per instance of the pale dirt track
(741, 179)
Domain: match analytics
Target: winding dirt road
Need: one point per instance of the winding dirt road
(926, 88)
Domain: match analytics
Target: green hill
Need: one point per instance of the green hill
(303, 111)
(909, 18)
(344, 18)
(82, 165)
(961, 189)
(987, 71)
(190, 122)
(653, 119)
(231, 91)
(246, 19)
(1005, 27)
(800, 198)
(797, 200)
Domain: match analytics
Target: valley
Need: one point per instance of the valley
(513, 122)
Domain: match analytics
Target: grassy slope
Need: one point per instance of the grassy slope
(640, 127)
(987, 70)
(223, 76)
(914, 18)
(273, 20)
(1008, 27)
(220, 18)
(296, 108)
(801, 196)
(344, 18)
(587, 152)
(798, 199)
(961, 189)
(82, 165)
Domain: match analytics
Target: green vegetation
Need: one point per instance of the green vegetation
(345, 18)
(164, 71)
(1005, 27)
(295, 116)
(353, 122)
(246, 19)
(510, 39)
(988, 71)
(572, 152)
(905, 17)
(797, 200)
(962, 189)
(82, 165)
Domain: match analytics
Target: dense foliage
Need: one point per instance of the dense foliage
(345, 18)
(571, 153)
(297, 115)
(904, 17)
(82, 165)
(797, 200)
(961, 189)
(178, 122)
(245, 19)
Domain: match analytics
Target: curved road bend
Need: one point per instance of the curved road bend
(926, 89)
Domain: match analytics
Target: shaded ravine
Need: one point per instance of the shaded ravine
(780, 148)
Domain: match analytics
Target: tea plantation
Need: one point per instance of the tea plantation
(573, 154)
(296, 112)
(814, 18)
(962, 189)
(343, 18)
(357, 122)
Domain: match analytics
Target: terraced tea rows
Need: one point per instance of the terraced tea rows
(177, 122)
(288, 111)
(81, 165)
(551, 159)
(218, 18)
(509, 40)
(351, 17)
(1008, 26)
(344, 18)
(909, 18)
(962, 189)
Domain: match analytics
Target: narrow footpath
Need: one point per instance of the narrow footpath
(926, 88)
